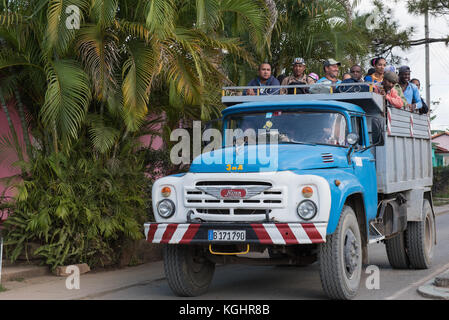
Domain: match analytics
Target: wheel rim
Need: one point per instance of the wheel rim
(351, 254)
(196, 261)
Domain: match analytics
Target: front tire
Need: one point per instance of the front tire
(340, 258)
(421, 239)
(188, 272)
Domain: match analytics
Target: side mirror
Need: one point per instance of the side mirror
(352, 140)
(377, 130)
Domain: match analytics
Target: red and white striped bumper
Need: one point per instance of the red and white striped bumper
(257, 233)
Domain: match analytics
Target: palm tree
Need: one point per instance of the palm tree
(123, 50)
(315, 30)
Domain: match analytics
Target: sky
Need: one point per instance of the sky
(439, 57)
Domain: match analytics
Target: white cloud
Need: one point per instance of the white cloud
(439, 53)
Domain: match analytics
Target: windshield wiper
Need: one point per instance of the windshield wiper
(298, 142)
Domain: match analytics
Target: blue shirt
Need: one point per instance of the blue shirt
(272, 81)
(411, 94)
(326, 79)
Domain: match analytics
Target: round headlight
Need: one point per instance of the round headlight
(352, 138)
(307, 210)
(166, 208)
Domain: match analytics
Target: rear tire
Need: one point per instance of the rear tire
(397, 251)
(421, 239)
(340, 258)
(188, 272)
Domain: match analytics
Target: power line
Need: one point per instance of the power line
(438, 55)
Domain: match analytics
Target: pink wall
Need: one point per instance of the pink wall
(443, 141)
(153, 142)
(9, 156)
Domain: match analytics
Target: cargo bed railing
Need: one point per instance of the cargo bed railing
(364, 94)
(331, 88)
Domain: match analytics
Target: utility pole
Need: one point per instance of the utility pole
(426, 31)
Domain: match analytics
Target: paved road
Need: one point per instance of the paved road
(237, 281)
(268, 282)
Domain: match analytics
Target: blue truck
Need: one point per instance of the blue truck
(340, 171)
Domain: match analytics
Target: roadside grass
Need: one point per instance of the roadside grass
(2, 289)
(441, 198)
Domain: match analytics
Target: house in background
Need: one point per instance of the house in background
(440, 148)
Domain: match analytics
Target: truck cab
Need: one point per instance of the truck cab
(299, 178)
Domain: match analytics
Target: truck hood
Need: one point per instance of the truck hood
(265, 158)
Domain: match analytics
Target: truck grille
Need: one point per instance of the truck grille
(260, 198)
(236, 211)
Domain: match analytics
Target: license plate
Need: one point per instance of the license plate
(227, 235)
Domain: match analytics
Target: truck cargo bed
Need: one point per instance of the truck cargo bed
(405, 161)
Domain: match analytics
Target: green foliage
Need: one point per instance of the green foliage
(78, 208)
(440, 186)
(435, 7)
(386, 36)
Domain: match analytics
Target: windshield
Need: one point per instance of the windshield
(294, 127)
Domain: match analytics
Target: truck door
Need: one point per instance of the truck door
(364, 166)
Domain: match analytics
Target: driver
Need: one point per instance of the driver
(327, 136)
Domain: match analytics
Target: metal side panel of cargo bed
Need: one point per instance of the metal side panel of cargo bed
(405, 161)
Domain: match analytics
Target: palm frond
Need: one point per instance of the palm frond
(100, 56)
(159, 16)
(11, 58)
(105, 11)
(11, 19)
(255, 19)
(103, 137)
(59, 32)
(138, 72)
(67, 98)
(135, 29)
(207, 14)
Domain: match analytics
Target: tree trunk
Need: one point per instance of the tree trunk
(271, 5)
(26, 134)
(55, 137)
(348, 8)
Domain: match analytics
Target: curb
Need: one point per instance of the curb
(436, 288)
(23, 272)
(430, 291)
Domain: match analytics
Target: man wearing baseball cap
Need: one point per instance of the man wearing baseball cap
(388, 90)
(331, 68)
(298, 76)
(411, 91)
